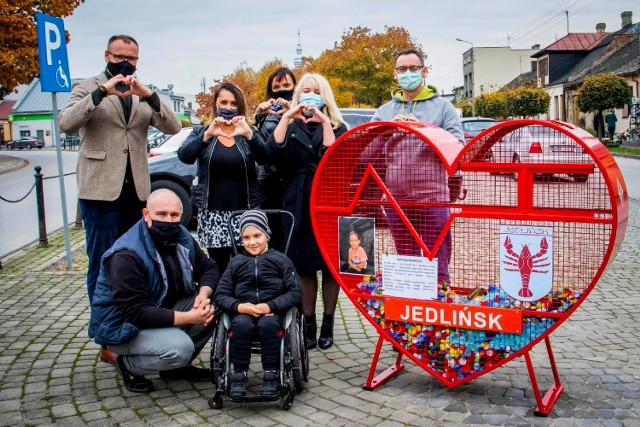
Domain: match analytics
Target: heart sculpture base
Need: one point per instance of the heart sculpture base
(461, 279)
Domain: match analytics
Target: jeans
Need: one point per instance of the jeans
(268, 329)
(163, 349)
(428, 223)
(104, 222)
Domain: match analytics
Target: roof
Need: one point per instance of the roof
(523, 80)
(34, 101)
(574, 42)
(5, 108)
(621, 57)
(614, 53)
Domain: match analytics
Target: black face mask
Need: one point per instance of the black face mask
(125, 68)
(227, 113)
(162, 231)
(284, 94)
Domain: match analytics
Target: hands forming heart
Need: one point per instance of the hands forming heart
(307, 113)
(135, 86)
(237, 126)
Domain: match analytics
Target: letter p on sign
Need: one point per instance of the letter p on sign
(52, 54)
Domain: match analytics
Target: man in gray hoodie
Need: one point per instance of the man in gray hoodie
(414, 172)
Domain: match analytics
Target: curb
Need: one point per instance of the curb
(14, 164)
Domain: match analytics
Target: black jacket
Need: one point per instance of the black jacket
(268, 278)
(296, 160)
(195, 148)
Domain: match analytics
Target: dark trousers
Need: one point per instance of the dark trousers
(104, 222)
(243, 327)
(428, 223)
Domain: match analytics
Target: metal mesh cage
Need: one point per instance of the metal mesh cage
(521, 221)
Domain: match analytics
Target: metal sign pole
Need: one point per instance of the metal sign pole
(63, 197)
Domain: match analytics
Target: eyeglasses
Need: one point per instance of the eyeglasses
(413, 69)
(120, 58)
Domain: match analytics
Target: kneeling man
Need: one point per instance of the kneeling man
(152, 303)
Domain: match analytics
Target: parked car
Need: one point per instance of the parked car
(27, 142)
(167, 171)
(171, 144)
(472, 126)
(540, 144)
(357, 116)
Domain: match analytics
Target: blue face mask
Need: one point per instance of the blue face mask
(310, 97)
(409, 80)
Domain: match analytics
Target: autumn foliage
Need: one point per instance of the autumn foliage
(19, 39)
(359, 69)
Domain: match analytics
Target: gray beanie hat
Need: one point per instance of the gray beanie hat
(258, 219)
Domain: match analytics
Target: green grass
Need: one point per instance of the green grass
(625, 150)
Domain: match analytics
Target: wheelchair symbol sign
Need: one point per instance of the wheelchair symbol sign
(52, 54)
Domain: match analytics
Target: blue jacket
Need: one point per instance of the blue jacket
(107, 325)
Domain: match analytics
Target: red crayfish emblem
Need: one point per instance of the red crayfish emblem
(526, 263)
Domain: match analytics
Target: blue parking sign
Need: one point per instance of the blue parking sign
(52, 53)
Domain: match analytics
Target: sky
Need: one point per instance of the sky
(182, 42)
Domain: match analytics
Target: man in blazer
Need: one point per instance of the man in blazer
(112, 113)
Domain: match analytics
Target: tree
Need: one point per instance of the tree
(492, 105)
(602, 92)
(363, 62)
(19, 39)
(527, 102)
(466, 107)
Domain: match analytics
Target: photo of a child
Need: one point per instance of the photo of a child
(356, 243)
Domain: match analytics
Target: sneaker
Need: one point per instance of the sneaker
(238, 386)
(131, 381)
(186, 373)
(270, 384)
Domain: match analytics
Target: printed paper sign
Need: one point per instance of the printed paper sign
(410, 277)
(526, 261)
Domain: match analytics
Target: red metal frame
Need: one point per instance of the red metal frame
(546, 403)
(335, 194)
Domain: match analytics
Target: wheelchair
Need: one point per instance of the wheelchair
(293, 371)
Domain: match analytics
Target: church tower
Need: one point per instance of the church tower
(297, 61)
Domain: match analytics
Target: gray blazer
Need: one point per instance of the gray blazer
(106, 139)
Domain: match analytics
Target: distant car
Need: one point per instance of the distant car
(540, 144)
(171, 144)
(472, 126)
(357, 116)
(167, 171)
(27, 142)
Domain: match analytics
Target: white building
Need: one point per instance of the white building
(487, 69)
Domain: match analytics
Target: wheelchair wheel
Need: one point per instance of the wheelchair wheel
(215, 402)
(299, 355)
(218, 355)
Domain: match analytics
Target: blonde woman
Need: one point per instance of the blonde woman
(307, 129)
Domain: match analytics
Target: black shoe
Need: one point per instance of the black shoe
(131, 381)
(312, 330)
(238, 387)
(326, 332)
(270, 384)
(187, 373)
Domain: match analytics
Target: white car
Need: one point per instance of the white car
(171, 144)
(540, 144)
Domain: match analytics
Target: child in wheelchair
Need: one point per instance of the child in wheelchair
(258, 287)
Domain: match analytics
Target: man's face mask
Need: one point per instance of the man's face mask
(162, 231)
(125, 68)
(410, 80)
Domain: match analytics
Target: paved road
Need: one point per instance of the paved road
(19, 221)
(50, 373)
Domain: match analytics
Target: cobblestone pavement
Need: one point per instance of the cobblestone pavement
(50, 373)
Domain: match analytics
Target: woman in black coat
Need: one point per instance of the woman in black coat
(296, 146)
(226, 151)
